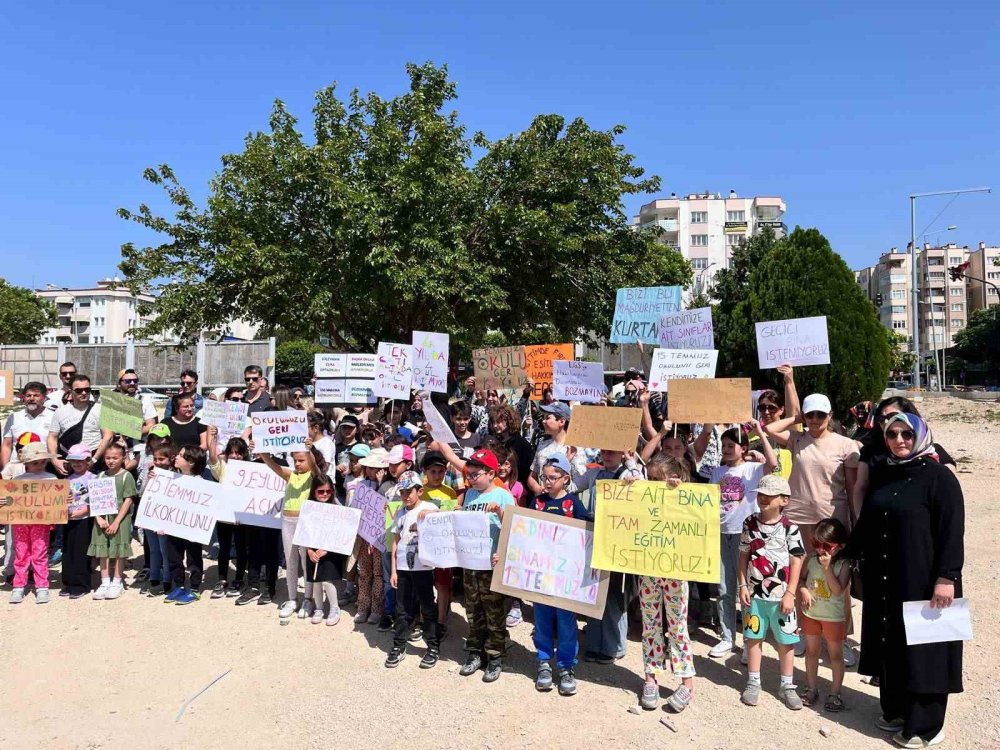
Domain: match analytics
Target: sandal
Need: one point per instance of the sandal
(810, 697)
(834, 703)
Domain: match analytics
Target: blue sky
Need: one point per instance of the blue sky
(843, 109)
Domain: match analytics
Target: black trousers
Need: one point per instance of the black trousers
(177, 549)
(232, 535)
(264, 545)
(415, 593)
(75, 563)
(923, 713)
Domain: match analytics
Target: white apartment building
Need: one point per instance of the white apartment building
(983, 264)
(104, 314)
(705, 227)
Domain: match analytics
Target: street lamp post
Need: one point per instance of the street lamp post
(915, 294)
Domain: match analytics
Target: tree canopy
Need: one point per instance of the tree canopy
(979, 341)
(385, 222)
(24, 315)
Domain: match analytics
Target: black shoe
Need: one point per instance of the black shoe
(395, 656)
(472, 665)
(416, 634)
(234, 590)
(493, 669)
(247, 596)
(385, 624)
(590, 656)
(430, 659)
(64, 592)
(605, 659)
(543, 682)
(219, 591)
(266, 597)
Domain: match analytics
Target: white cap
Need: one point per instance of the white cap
(816, 402)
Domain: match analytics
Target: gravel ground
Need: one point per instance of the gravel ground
(88, 674)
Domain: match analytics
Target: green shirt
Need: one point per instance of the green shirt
(297, 491)
(826, 606)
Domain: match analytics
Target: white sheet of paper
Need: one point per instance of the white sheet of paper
(439, 427)
(926, 625)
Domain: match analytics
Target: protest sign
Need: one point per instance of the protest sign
(578, 381)
(797, 342)
(121, 414)
(393, 371)
(256, 495)
(327, 526)
(181, 506)
(546, 558)
(499, 367)
(33, 501)
(638, 311)
(330, 391)
(390, 511)
(229, 417)
(538, 359)
(649, 529)
(361, 366)
(430, 361)
(455, 540)
(607, 427)
(359, 391)
(717, 400)
(102, 494)
(279, 431)
(372, 507)
(6, 387)
(680, 364)
(687, 329)
(328, 365)
(436, 421)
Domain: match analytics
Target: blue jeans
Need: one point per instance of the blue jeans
(390, 592)
(609, 634)
(729, 550)
(555, 631)
(159, 568)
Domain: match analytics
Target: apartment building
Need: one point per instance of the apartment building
(943, 301)
(705, 227)
(983, 264)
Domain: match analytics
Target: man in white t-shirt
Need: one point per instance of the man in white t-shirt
(79, 411)
(34, 419)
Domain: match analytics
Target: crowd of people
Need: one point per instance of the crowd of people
(809, 517)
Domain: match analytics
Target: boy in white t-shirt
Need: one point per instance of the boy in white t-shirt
(412, 579)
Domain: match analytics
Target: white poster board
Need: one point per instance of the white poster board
(330, 391)
(578, 381)
(256, 495)
(229, 417)
(327, 526)
(430, 361)
(681, 364)
(361, 366)
(279, 432)
(394, 371)
(102, 494)
(361, 392)
(439, 427)
(797, 342)
(180, 506)
(330, 365)
(455, 540)
(687, 329)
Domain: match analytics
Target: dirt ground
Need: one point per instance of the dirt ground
(91, 674)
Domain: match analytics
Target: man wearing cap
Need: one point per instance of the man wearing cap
(33, 419)
(128, 383)
(487, 639)
(555, 422)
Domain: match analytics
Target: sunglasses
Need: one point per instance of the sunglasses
(81, 391)
(769, 408)
(821, 546)
(188, 382)
(129, 381)
(896, 434)
(815, 415)
(883, 417)
(235, 398)
(67, 374)
(323, 493)
(251, 380)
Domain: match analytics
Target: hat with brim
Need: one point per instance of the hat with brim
(773, 485)
(34, 452)
(377, 459)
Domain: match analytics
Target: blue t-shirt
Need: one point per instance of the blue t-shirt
(568, 505)
(476, 500)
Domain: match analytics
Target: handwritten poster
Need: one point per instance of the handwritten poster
(372, 507)
(394, 371)
(538, 359)
(638, 311)
(687, 329)
(455, 540)
(6, 387)
(181, 506)
(578, 381)
(430, 361)
(279, 431)
(499, 367)
(327, 526)
(229, 417)
(547, 558)
(102, 494)
(681, 364)
(718, 400)
(648, 529)
(257, 495)
(436, 421)
(799, 341)
(607, 427)
(329, 365)
(33, 501)
(121, 414)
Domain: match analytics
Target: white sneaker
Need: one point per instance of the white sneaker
(334, 617)
(916, 741)
(306, 609)
(849, 657)
(102, 591)
(41, 596)
(287, 609)
(317, 616)
(114, 590)
(17, 596)
(721, 649)
(745, 656)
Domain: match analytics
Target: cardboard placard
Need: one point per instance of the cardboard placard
(394, 371)
(33, 502)
(278, 432)
(181, 506)
(326, 365)
(372, 506)
(546, 558)
(638, 311)
(607, 427)
(499, 367)
(538, 359)
(681, 364)
(6, 387)
(327, 526)
(717, 400)
(102, 494)
(798, 341)
(121, 414)
(455, 540)
(647, 528)
(430, 361)
(256, 495)
(687, 329)
(578, 381)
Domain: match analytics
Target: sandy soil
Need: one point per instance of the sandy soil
(88, 674)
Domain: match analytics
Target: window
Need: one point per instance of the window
(898, 324)
(898, 309)
(956, 307)
(958, 323)
(699, 217)
(898, 294)
(935, 261)
(736, 215)
(896, 279)
(993, 274)
(734, 239)
(992, 291)
(699, 263)
(699, 240)
(935, 275)
(956, 291)
(954, 261)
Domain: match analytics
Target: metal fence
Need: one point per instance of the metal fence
(158, 365)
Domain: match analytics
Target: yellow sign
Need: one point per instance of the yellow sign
(648, 529)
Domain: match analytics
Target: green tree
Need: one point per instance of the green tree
(901, 359)
(979, 341)
(384, 222)
(295, 359)
(23, 314)
(800, 276)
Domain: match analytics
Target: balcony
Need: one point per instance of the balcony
(80, 316)
(63, 333)
(667, 225)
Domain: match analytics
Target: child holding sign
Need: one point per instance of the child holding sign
(111, 538)
(190, 461)
(76, 539)
(324, 568)
(31, 541)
